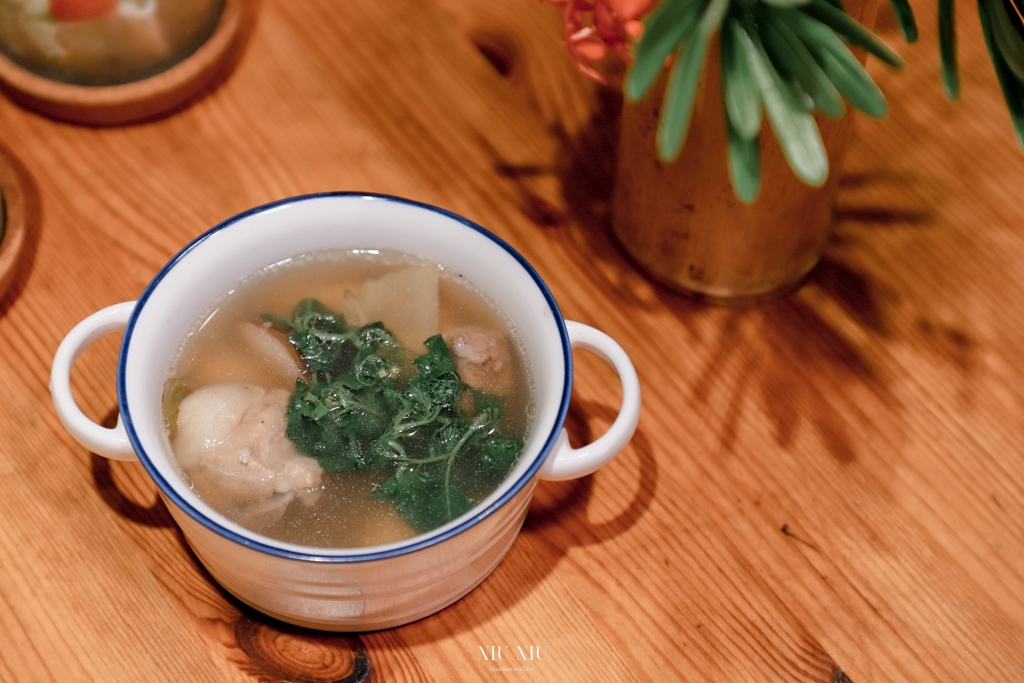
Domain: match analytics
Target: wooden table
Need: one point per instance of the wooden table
(826, 488)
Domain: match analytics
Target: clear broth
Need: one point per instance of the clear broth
(344, 515)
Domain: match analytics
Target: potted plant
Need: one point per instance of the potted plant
(703, 198)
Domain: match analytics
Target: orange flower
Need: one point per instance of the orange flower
(590, 28)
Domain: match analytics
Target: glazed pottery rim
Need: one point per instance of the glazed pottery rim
(352, 555)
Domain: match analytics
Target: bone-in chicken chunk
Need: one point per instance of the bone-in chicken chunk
(231, 442)
(482, 358)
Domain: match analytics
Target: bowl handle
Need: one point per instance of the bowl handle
(110, 443)
(566, 462)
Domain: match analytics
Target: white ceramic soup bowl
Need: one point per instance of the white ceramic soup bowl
(343, 589)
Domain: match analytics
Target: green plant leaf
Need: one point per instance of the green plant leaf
(792, 60)
(681, 91)
(795, 128)
(785, 3)
(744, 164)
(713, 17)
(1013, 89)
(851, 31)
(739, 90)
(840, 65)
(1008, 34)
(677, 107)
(947, 49)
(669, 25)
(905, 17)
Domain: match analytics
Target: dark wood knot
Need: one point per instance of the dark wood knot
(292, 655)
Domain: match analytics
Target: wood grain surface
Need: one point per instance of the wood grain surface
(826, 488)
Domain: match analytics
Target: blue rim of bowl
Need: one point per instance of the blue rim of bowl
(313, 556)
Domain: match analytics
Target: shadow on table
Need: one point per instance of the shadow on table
(799, 355)
(155, 515)
(560, 508)
(32, 210)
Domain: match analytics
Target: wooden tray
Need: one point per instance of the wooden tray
(130, 102)
(14, 224)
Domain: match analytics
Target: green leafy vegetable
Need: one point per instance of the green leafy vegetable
(422, 498)
(370, 406)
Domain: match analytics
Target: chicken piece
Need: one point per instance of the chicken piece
(482, 359)
(230, 440)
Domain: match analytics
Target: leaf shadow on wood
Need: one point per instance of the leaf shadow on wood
(807, 368)
(799, 356)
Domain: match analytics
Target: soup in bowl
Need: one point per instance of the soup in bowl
(346, 401)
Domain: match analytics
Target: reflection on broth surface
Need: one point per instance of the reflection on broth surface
(348, 399)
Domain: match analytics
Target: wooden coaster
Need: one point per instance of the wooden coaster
(14, 225)
(131, 102)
